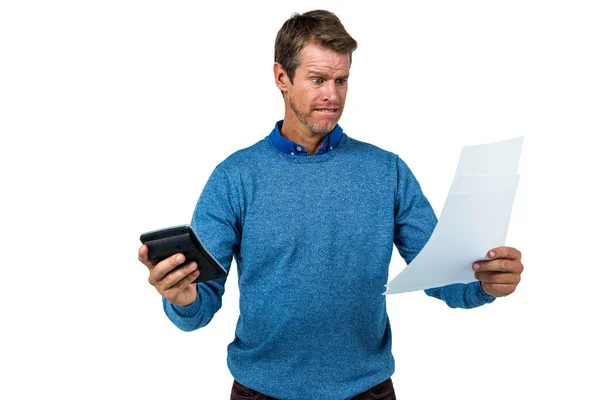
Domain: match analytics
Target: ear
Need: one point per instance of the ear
(281, 78)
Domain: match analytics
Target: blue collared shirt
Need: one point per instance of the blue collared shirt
(329, 142)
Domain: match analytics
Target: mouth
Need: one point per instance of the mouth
(326, 110)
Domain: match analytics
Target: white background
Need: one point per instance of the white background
(114, 113)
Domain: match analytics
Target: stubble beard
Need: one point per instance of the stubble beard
(305, 120)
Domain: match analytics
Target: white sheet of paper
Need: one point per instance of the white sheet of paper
(474, 219)
(499, 158)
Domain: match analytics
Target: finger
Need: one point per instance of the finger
(498, 277)
(174, 277)
(498, 289)
(143, 257)
(165, 266)
(504, 252)
(182, 284)
(499, 265)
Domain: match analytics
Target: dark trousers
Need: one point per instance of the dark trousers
(382, 391)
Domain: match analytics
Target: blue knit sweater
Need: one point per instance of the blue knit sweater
(312, 238)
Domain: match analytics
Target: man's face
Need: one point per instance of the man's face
(318, 94)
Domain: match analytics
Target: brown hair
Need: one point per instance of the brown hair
(321, 27)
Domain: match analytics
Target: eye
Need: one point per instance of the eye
(341, 81)
(317, 81)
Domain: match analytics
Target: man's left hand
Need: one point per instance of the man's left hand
(499, 276)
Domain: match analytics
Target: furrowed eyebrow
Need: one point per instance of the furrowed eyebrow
(320, 73)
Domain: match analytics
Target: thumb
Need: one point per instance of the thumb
(144, 259)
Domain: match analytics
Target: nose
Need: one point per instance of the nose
(330, 92)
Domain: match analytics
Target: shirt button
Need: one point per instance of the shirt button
(331, 148)
(292, 153)
(299, 148)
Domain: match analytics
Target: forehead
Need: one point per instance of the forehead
(314, 57)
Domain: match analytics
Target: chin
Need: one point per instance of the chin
(325, 126)
(322, 128)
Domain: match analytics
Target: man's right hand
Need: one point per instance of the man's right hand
(174, 285)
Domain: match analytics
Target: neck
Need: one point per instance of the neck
(300, 134)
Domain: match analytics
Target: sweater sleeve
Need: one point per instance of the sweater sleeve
(415, 221)
(414, 218)
(216, 221)
(461, 295)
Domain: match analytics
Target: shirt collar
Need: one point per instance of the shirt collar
(329, 142)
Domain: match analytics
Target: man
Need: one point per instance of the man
(311, 216)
